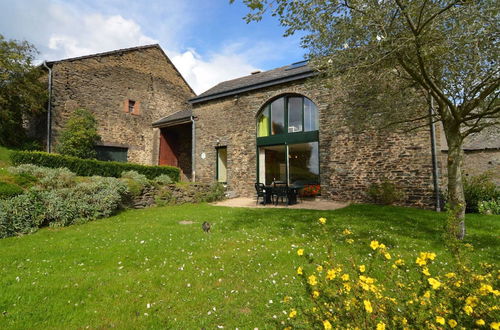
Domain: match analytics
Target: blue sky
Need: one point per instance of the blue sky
(207, 40)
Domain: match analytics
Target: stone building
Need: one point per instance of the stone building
(279, 125)
(126, 90)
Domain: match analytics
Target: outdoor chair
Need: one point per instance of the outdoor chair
(280, 191)
(261, 192)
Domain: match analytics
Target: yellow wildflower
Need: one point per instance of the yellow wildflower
(382, 246)
(450, 275)
(319, 268)
(300, 252)
(327, 325)
(468, 310)
(347, 287)
(471, 301)
(322, 221)
(349, 240)
(368, 306)
(299, 271)
(374, 245)
(480, 322)
(315, 294)
(345, 277)
(425, 271)
(330, 275)
(312, 280)
(440, 320)
(452, 323)
(485, 289)
(287, 328)
(434, 283)
(362, 268)
(381, 326)
(427, 294)
(292, 314)
(458, 284)
(347, 232)
(431, 255)
(287, 299)
(404, 321)
(495, 325)
(399, 262)
(421, 262)
(387, 255)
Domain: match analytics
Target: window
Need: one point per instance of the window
(131, 106)
(116, 154)
(278, 116)
(221, 164)
(263, 123)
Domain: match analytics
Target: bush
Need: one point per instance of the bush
(8, 190)
(384, 193)
(163, 179)
(99, 197)
(79, 136)
(47, 178)
(489, 207)
(140, 178)
(90, 167)
(479, 188)
(384, 291)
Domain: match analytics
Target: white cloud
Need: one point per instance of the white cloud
(205, 73)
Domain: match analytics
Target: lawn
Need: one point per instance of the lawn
(144, 269)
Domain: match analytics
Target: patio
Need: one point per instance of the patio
(312, 204)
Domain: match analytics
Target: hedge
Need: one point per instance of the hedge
(90, 167)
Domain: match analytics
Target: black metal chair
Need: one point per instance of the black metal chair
(280, 191)
(261, 192)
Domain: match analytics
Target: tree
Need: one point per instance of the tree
(446, 50)
(79, 136)
(22, 92)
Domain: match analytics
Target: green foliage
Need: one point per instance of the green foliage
(134, 175)
(8, 190)
(478, 189)
(489, 207)
(79, 136)
(163, 179)
(22, 90)
(382, 289)
(385, 193)
(45, 177)
(216, 193)
(85, 201)
(90, 167)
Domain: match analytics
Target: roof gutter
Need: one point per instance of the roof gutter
(435, 169)
(49, 108)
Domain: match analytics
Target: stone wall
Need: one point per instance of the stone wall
(104, 84)
(349, 162)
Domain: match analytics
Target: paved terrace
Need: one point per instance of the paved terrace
(316, 204)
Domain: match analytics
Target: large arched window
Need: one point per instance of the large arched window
(287, 141)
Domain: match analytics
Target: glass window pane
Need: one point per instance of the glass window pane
(304, 163)
(278, 116)
(272, 164)
(295, 114)
(263, 123)
(310, 116)
(222, 164)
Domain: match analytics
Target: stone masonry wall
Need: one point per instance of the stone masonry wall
(103, 85)
(349, 162)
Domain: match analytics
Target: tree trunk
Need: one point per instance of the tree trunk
(456, 198)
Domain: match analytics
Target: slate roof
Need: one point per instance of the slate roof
(178, 117)
(296, 71)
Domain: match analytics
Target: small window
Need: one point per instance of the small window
(131, 106)
(115, 154)
(222, 164)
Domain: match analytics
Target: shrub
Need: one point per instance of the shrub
(163, 179)
(489, 207)
(99, 197)
(47, 178)
(385, 291)
(479, 188)
(216, 193)
(134, 175)
(384, 193)
(8, 190)
(79, 136)
(90, 167)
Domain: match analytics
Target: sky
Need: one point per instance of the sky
(207, 40)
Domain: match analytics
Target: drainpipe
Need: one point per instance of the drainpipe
(193, 149)
(435, 170)
(49, 105)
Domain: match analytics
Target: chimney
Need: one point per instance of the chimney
(255, 72)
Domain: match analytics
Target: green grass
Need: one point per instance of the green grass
(105, 273)
(4, 157)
